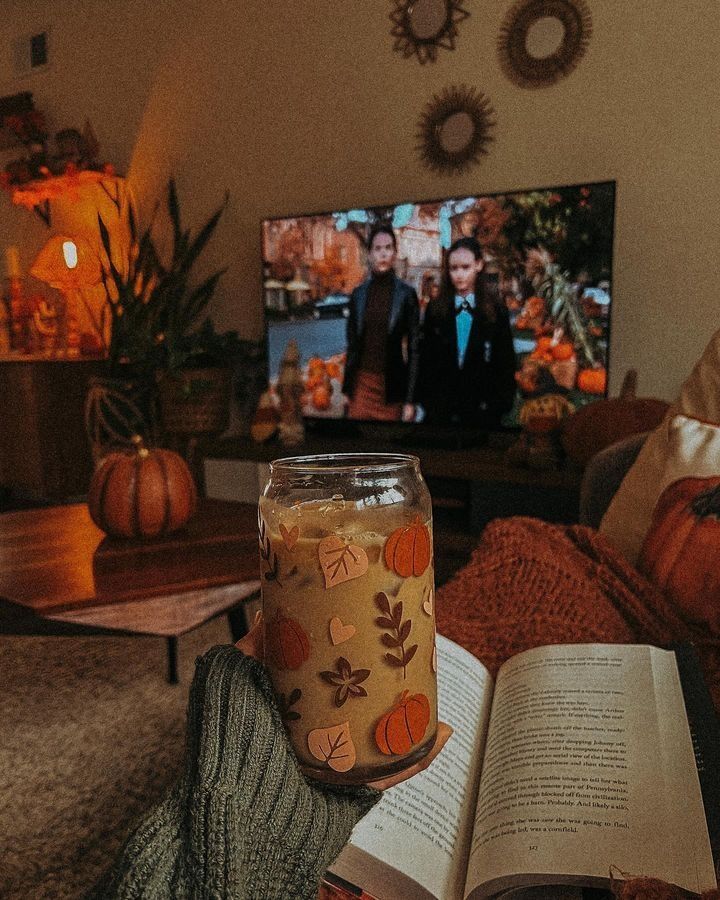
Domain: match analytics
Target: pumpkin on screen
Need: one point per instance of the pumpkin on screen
(680, 551)
(141, 492)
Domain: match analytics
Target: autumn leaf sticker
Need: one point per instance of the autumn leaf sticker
(346, 681)
(398, 632)
(333, 746)
(285, 706)
(340, 561)
(267, 554)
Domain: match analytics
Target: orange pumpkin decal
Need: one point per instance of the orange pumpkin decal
(404, 726)
(680, 550)
(408, 549)
(592, 381)
(286, 643)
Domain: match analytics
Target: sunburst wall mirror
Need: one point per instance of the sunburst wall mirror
(454, 129)
(541, 41)
(425, 26)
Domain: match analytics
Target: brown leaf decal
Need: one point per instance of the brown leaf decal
(289, 536)
(346, 680)
(333, 746)
(340, 561)
(397, 632)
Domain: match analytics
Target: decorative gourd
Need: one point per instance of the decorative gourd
(286, 643)
(562, 350)
(603, 422)
(592, 381)
(408, 549)
(681, 548)
(321, 397)
(404, 726)
(141, 493)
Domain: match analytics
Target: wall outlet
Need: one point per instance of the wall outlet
(32, 52)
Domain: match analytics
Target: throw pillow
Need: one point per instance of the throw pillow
(681, 549)
(628, 516)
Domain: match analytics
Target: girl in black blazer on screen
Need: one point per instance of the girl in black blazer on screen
(467, 362)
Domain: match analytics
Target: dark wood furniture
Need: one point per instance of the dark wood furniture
(478, 481)
(60, 575)
(44, 453)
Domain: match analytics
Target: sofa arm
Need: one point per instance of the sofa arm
(603, 475)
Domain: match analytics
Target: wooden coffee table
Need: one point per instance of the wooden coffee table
(60, 575)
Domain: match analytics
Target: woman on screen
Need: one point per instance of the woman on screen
(468, 362)
(383, 333)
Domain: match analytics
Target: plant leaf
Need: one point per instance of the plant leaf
(384, 623)
(409, 653)
(394, 661)
(383, 603)
(404, 630)
(390, 641)
(397, 613)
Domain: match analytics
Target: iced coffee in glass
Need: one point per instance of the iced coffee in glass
(346, 560)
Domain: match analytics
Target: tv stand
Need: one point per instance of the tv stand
(476, 483)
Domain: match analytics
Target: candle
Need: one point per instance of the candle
(12, 262)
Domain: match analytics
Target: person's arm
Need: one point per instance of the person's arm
(242, 822)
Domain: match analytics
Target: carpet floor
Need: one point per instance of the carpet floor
(90, 734)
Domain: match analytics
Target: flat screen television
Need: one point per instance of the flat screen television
(546, 259)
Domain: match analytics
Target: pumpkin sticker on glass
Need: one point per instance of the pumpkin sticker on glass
(409, 549)
(286, 644)
(346, 681)
(333, 746)
(340, 561)
(397, 634)
(404, 725)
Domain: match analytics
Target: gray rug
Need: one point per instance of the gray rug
(90, 734)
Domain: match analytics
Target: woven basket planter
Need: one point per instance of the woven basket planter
(196, 401)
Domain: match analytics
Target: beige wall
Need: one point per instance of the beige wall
(301, 105)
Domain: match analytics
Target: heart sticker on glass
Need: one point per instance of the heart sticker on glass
(428, 603)
(340, 561)
(289, 537)
(340, 633)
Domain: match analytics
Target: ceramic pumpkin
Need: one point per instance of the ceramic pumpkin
(681, 548)
(592, 381)
(141, 492)
(404, 726)
(286, 643)
(321, 397)
(408, 549)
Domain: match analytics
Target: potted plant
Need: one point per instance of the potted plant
(153, 311)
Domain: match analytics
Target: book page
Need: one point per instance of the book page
(423, 826)
(589, 766)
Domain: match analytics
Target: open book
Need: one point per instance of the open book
(576, 762)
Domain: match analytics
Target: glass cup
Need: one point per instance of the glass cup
(348, 600)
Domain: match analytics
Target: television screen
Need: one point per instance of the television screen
(448, 312)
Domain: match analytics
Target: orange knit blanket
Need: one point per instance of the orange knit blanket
(530, 583)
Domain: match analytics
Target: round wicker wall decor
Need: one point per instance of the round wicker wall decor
(527, 32)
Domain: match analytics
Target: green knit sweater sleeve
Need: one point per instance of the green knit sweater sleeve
(242, 822)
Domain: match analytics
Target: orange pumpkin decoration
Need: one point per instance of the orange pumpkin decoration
(681, 547)
(141, 492)
(316, 365)
(286, 643)
(333, 370)
(404, 726)
(321, 397)
(592, 381)
(562, 350)
(408, 549)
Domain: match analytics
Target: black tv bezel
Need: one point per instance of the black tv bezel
(405, 431)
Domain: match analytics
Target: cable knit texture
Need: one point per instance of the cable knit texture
(242, 822)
